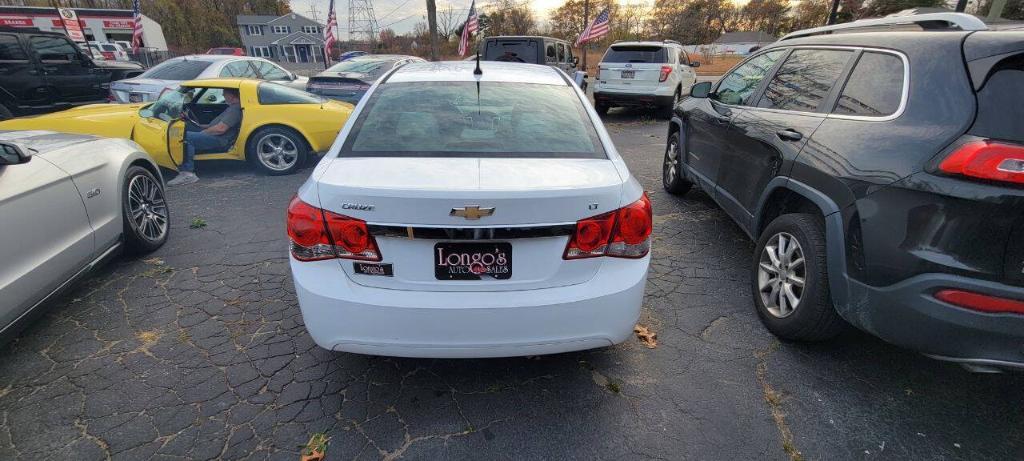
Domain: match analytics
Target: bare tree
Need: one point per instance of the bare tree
(447, 23)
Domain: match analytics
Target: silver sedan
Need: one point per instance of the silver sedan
(167, 75)
(68, 203)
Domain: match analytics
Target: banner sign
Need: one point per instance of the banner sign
(118, 24)
(16, 21)
(71, 24)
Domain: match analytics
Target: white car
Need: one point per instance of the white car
(643, 74)
(168, 75)
(111, 51)
(460, 215)
(68, 203)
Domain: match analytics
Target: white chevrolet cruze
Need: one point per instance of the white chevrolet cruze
(470, 215)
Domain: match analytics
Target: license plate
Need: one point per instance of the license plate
(472, 261)
(628, 73)
(134, 97)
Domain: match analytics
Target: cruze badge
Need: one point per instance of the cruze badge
(356, 206)
(472, 213)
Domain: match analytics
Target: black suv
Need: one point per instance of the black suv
(881, 174)
(45, 71)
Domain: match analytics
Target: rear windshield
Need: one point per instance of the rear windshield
(648, 54)
(466, 119)
(1001, 102)
(512, 51)
(177, 70)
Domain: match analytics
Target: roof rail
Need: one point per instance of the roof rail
(962, 21)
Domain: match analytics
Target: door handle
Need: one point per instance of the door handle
(789, 134)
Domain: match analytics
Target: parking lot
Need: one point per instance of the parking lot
(199, 352)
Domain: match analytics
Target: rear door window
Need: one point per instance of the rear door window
(1001, 102)
(804, 81)
(238, 69)
(10, 49)
(466, 119)
(185, 69)
(875, 87)
(636, 54)
(738, 87)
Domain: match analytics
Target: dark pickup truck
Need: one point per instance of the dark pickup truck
(44, 72)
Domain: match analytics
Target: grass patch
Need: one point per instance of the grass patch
(197, 223)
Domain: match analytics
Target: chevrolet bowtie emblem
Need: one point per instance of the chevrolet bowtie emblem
(472, 212)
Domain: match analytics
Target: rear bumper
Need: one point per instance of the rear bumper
(908, 315)
(343, 316)
(631, 99)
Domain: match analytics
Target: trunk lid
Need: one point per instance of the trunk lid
(139, 89)
(535, 202)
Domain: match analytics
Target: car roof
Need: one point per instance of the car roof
(462, 71)
(523, 37)
(645, 43)
(220, 82)
(878, 39)
(381, 57)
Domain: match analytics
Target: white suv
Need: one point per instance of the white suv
(643, 74)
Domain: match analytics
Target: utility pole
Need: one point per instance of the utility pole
(432, 22)
(314, 13)
(832, 15)
(586, 20)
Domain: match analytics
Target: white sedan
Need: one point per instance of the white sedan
(168, 75)
(69, 202)
(464, 215)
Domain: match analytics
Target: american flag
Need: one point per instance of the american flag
(596, 29)
(472, 25)
(137, 26)
(329, 39)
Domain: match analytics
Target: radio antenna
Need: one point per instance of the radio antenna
(478, 71)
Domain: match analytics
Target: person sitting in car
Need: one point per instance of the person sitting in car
(217, 136)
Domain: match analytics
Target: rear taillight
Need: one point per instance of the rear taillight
(991, 160)
(665, 72)
(317, 234)
(111, 97)
(980, 302)
(623, 233)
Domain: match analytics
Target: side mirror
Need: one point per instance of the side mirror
(12, 153)
(694, 64)
(700, 90)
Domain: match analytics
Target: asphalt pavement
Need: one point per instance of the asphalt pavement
(199, 352)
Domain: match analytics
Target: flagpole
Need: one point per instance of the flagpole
(586, 20)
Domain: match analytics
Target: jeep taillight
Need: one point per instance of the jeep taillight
(623, 233)
(317, 234)
(665, 72)
(987, 159)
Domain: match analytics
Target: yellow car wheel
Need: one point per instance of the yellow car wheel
(277, 150)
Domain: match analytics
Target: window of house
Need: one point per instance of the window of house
(260, 51)
(805, 79)
(254, 30)
(281, 30)
(875, 87)
(311, 29)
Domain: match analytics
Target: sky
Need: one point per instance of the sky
(402, 15)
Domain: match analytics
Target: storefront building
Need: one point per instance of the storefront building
(99, 25)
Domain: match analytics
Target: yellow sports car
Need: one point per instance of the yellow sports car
(280, 126)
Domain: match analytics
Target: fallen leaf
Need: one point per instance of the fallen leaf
(646, 336)
(154, 261)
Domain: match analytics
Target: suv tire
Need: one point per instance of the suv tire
(789, 239)
(602, 109)
(672, 167)
(5, 113)
(667, 111)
